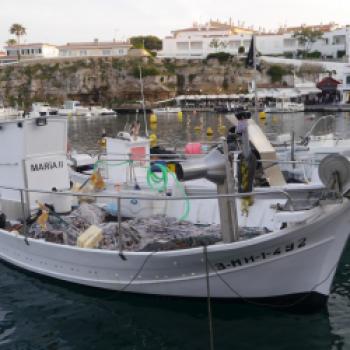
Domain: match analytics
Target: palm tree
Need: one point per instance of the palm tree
(11, 42)
(18, 30)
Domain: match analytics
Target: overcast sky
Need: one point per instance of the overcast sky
(59, 21)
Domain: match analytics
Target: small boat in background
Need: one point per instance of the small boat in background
(102, 111)
(284, 106)
(165, 110)
(71, 107)
(10, 113)
(42, 109)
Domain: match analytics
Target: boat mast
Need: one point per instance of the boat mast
(255, 79)
(143, 101)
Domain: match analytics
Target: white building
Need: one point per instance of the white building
(36, 50)
(345, 87)
(201, 40)
(95, 48)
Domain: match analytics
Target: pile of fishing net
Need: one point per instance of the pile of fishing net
(156, 233)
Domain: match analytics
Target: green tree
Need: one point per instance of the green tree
(11, 42)
(148, 42)
(18, 30)
(306, 37)
(276, 73)
(215, 44)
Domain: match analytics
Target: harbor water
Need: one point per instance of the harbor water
(39, 313)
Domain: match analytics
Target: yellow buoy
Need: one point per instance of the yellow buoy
(102, 142)
(153, 118)
(179, 116)
(197, 128)
(153, 139)
(222, 129)
(262, 115)
(210, 131)
(153, 126)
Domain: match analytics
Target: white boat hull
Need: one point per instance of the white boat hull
(295, 261)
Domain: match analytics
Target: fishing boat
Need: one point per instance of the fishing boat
(285, 251)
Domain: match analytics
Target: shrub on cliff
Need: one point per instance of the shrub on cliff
(147, 70)
(276, 72)
(222, 57)
(148, 42)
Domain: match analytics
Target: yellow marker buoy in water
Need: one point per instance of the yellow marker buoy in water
(222, 129)
(153, 118)
(153, 139)
(153, 126)
(179, 116)
(102, 142)
(262, 115)
(210, 131)
(197, 128)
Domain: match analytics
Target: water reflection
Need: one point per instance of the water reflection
(56, 315)
(85, 132)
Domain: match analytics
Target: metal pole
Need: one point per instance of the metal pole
(210, 317)
(24, 217)
(120, 236)
(230, 184)
(292, 148)
(143, 102)
(254, 81)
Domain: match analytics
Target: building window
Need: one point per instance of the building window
(182, 46)
(40, 51)
(338, 39)
(121, 52)
(348, 80)
(234, 44)
(196, 45)
(106, 52)
(83, 53)
(289, 42)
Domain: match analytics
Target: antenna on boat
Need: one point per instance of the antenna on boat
(143, 101)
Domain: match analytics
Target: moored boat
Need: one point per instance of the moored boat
(286, 246)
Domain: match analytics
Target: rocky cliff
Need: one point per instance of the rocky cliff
(115, 81)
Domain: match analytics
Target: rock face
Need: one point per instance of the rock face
(115, 81)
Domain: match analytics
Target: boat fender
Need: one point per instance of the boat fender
(193, 148)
